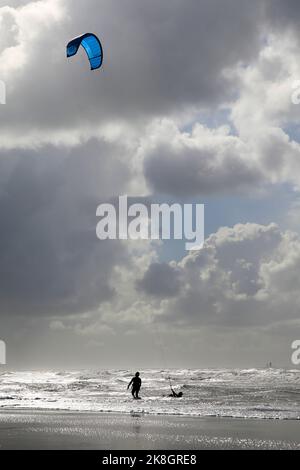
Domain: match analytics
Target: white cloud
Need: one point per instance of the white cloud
(244, 276)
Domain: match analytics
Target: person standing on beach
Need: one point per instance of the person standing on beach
(136, 383)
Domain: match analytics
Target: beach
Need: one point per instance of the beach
(57, 430)
(220, 409)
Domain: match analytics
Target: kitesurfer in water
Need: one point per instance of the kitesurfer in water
(135, 383)
(175, 395)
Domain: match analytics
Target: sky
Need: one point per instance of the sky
(193, 104)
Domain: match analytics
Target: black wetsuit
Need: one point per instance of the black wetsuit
(174, 394)
(136, 385)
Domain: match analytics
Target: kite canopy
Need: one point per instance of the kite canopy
(92, 47)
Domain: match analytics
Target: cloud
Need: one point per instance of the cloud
(52, 261)
(161, 280)
(254, 147)
(194, 98)
(244, 276)
(154, 65)
(283, 14)
(204, 161)
(239, 65)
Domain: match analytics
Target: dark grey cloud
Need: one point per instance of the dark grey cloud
(51, 260)
(283, 14)
(160, 280)
(190, 171)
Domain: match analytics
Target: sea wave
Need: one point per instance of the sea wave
(248, 393)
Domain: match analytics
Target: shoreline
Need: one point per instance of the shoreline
(56, 429)
(141, 413)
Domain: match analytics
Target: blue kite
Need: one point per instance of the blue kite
(92, 47)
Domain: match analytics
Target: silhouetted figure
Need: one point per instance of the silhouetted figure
(175, 395)
(136, 383)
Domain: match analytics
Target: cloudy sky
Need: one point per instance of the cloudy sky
(193, 104)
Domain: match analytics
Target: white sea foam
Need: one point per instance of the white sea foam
(252, 393)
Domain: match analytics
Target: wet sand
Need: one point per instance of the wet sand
(68, 430)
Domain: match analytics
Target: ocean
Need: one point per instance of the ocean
(251, 393)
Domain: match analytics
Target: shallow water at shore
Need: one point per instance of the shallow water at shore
(69, 430)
